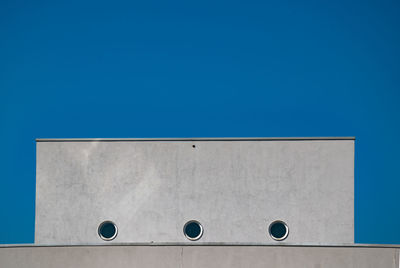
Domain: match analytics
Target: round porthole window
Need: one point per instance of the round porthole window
(107, 230)
(193, 230)
(278, 230)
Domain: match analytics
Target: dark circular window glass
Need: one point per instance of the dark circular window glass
(278, 230)
(193, 230)
(107, 230)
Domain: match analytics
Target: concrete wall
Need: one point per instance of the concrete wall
(198, 256)
(235, 188)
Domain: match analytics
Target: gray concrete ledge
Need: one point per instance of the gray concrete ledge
(204, 244)
(198, 256)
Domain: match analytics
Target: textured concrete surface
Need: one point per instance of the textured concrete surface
(234, 188)
(198, 256)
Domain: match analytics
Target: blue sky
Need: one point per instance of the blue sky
(202, 69)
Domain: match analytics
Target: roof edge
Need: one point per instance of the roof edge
(194, 139)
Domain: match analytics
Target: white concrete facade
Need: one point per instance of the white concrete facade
(234, 187)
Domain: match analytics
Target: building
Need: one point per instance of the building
(229, 202)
